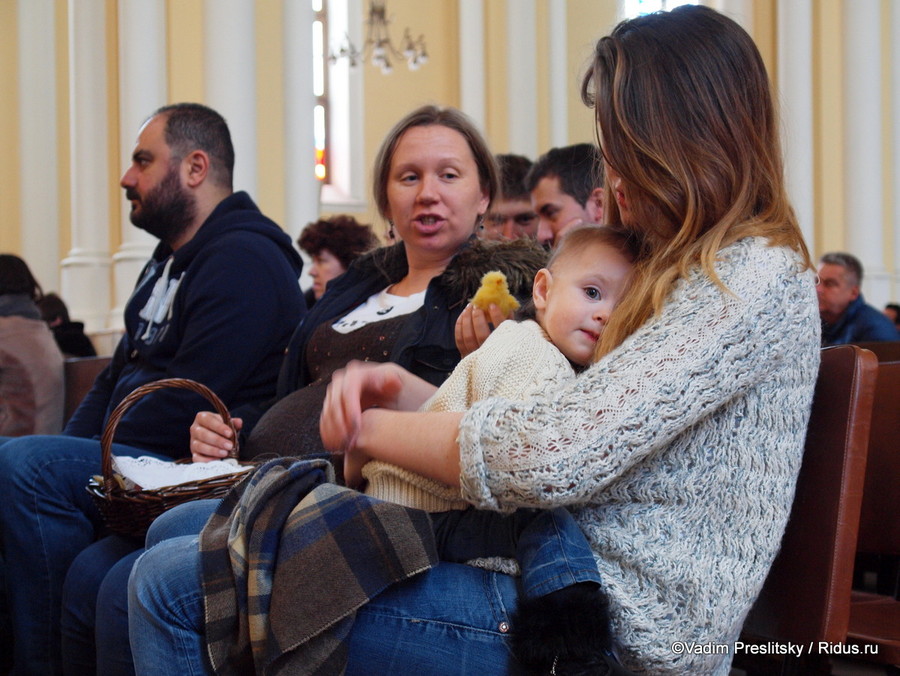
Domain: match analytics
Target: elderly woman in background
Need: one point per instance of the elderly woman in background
(31, 365)
(333, 244)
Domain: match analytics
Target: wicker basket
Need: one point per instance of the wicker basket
(131, 511)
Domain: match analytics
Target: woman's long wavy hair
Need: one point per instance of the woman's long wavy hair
(685, 116)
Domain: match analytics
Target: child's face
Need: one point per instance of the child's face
(574, 301)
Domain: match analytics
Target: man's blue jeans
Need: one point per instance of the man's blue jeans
(453, 619)
(95, 599)
(46, 518)
(90, 600)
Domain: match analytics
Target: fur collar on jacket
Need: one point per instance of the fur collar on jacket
(519, 260)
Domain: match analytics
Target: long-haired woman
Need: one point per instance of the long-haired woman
(677, 451)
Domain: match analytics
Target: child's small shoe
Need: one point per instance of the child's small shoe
(565, 633)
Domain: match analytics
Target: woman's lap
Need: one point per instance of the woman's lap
(453, 619)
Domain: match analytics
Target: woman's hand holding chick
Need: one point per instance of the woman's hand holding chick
(491, 304)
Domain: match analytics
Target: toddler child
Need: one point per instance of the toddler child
(572, 299)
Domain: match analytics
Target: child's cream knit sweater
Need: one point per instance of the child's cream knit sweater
(516, 362)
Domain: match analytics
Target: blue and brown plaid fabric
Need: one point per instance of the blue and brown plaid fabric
(289, 557)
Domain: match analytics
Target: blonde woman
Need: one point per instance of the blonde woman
(677, 451)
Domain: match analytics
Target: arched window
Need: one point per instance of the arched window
(338, 116)
(320, 89)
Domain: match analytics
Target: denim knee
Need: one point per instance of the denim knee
(112, 642)
(165, 609)
(186, 519)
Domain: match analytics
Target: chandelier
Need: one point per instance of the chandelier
(378, 47)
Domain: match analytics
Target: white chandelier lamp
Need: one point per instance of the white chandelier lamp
(378, 47)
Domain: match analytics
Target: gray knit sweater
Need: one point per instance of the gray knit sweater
(678, 454)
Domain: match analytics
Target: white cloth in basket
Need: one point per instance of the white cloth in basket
(152, 473)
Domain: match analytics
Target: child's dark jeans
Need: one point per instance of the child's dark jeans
(550, 547)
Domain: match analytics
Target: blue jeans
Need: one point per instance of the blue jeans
(452, 619)
(46, 518)
(95, 600)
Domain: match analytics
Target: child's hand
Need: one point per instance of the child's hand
(353, 464)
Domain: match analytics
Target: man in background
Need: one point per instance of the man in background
(566, 186)
(892, 312)
(846, 318)
(511, 215)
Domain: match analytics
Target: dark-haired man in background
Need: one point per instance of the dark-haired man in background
(511, 215)
(566, 186)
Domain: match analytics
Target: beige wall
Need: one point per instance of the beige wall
(61, 86)
(387, 98)
(828, 84)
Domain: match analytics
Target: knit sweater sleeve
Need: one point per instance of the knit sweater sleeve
(708, 345)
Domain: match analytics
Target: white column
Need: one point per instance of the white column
(473, 97)
(521, 55)
(795, 85)
(300, 184)
(895, 134)
(142, 89)
(863, 177)
(85, 272)
(559, 75)
(39, 217)
(229, 58)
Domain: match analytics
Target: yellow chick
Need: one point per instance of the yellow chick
(494, 290)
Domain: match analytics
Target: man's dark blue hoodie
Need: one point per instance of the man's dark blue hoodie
(219, 310)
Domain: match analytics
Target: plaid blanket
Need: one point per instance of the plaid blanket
(287, 560)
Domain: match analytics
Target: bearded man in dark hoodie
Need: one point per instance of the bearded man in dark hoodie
(217, 303)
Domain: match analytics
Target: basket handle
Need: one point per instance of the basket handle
(181, 383)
